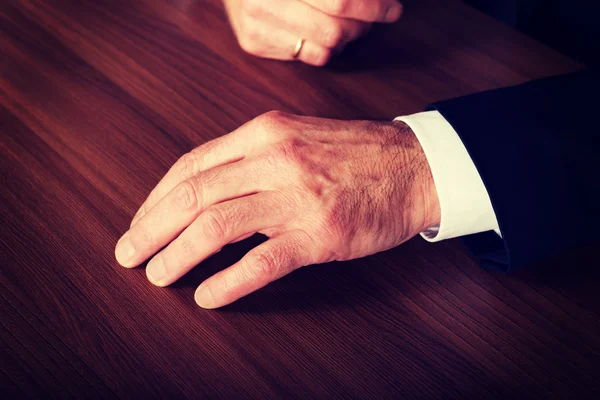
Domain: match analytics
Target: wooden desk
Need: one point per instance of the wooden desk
(98, 98)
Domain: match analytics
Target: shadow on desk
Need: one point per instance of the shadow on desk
(349, 284)
(384, 281)
(313, 284)
(382, 50)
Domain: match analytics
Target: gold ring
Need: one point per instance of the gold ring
(298, 49)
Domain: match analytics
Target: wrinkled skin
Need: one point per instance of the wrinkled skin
(320, 189)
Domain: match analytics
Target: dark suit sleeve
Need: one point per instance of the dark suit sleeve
(537, 149)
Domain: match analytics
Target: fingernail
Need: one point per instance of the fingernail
(125, 251)
(204, 297)
(156, 271)
(393, 12)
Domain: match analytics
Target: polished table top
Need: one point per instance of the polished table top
(98, 98)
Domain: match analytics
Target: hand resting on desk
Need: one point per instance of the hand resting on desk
(321, 190)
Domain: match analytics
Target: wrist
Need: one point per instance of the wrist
(423, 203)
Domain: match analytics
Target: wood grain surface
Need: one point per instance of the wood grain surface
(98, 98)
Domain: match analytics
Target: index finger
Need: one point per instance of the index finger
(220, 151)
(362, 10)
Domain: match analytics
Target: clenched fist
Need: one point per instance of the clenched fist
(275, 28)
(321, 190)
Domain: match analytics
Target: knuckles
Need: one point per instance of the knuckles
(272, 121)
(262, 266)
(185, 196)
(214, 224)
(187, 165)
(279, 127)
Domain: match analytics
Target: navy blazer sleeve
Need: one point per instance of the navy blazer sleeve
(537, 149)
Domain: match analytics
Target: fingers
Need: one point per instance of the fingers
(182, 205)
(269, 41)
(270, 261)
(307, 22)
(219, 225)
(271, 28)
(362, 10)
(223, 150)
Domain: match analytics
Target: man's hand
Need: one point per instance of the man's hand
(271, 28)
(321, 190)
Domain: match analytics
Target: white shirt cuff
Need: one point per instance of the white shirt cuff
(464, 202)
